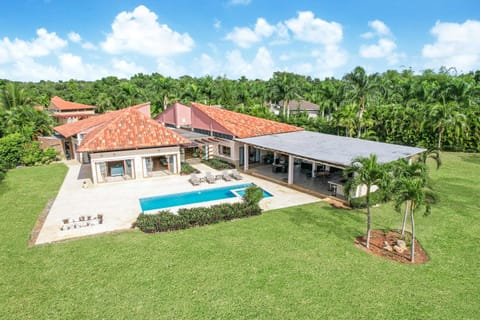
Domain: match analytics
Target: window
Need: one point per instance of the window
(224, 150)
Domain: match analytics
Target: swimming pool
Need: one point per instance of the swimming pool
(184, 198)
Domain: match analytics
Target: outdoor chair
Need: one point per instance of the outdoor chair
(194, 180)
(226, 176)
(235, 175)
(210, 177)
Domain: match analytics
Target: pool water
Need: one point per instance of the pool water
(184, 198)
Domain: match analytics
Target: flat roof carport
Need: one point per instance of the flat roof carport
(330, 149)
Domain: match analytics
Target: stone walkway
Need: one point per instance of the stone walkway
(119, 205)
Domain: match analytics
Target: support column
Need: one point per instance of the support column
(246, 157)
(274, 157)
(314, 168)
(93, 166)
(291, 167)
(178, 158)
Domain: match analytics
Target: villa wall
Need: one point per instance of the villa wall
(178, 115)
(202, 121)
(137, 157)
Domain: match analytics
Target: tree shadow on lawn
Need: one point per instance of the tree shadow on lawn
(341, 223)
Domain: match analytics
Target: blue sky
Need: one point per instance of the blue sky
(61, 40)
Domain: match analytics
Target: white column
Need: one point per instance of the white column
(274, 157)
(245, 157)
(314, 168)
(291, 167)
(179, 164)
(93, 165)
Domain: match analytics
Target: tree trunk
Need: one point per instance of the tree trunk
(360, 116)
(407, 206)
(440, 133)
(368, 219)
(412, 259)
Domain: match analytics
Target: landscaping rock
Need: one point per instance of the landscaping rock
(401, 243)
(399, 249)
(387, 246)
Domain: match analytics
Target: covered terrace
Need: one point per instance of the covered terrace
(315, 161)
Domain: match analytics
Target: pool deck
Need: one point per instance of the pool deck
(119, 205)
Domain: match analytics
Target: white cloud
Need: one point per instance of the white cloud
(89, 46)
(43, 45)
(457, 45)
(261, 67)
(217, 24)
(245, 37)
(74, 37)
(328, 60)
(207, 65)
(240, 2)
(140, 32)
(306, 27)
(170, 68)
(384, 48)
(124, 69)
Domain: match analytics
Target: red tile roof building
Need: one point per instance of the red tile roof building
(236, 124)
(68, 112)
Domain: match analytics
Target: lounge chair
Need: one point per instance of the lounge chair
(210, 177)
(226, 176)
(235, 175)
(194, 180)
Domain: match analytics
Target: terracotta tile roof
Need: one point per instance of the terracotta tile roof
(71, 129)
(61, 104)
(244, 126)
(130, 129)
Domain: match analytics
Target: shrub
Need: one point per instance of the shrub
(188, 169)
(12, 149)
(253, 195)
(192, 217)
(35, 156)
(218, 164)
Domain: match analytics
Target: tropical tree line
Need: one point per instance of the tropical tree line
(433, 109)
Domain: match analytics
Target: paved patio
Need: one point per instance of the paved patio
(119, 205)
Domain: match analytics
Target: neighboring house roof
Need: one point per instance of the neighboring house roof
(63, 105)
(302, 105)
(130, 129)
(331, 149)
(244, 126)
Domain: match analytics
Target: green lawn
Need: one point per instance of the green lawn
(293, 263)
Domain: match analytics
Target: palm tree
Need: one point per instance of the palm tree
(12, 96)
(403, 169)
(366, 172)
(446, 117)
(359, 89)
(414, 192)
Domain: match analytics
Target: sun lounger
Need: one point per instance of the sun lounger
(210, 177)
(235, 175)
(226, 176)
(194, 180)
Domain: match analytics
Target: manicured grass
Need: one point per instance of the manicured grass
(297, 262)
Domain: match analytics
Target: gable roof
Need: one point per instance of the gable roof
(244, 126)
(130, 129)
(62, 105)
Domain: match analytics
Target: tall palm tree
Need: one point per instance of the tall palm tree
(414, 192)
(359, 90)
(446, 117)
(366, 172)
(403, 169)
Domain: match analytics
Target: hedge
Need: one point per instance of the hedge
(165, 220)
(218, 164)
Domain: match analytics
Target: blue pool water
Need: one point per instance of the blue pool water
(184, 198)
